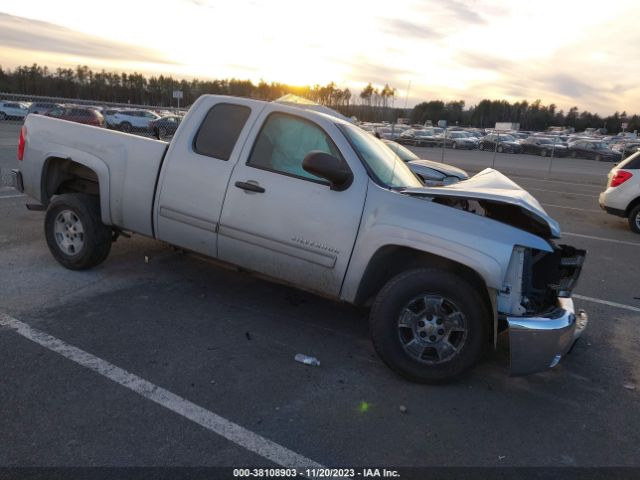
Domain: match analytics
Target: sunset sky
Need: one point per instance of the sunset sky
(568, 52)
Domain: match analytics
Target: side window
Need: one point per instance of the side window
(284, 141)
(220, 130)
(56, 112)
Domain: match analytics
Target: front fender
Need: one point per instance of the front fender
(391, 218)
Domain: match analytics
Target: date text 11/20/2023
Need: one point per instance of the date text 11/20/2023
(315, 472)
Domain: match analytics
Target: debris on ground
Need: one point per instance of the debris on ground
(307, 360)
(403, 409)
(248, 335)
(146, 259)
(629, 386)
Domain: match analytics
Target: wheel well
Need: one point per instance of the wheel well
(392, 260)
(631, 206)
(63, 175)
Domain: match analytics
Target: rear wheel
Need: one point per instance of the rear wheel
(634, 219)
(429, 325)
(162, 132)
(574, 154)
(3, 116)
(454, 146)
(75, 234)
(125, 127)
(500, 148)
(598, 158)
(543, 152)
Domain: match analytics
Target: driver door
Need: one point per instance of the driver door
(284, 222)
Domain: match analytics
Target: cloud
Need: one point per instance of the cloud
(462, 11)
(405, 28)
(20, 33)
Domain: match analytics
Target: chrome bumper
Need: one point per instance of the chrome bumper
(538, 343)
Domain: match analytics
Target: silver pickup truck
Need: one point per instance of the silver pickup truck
(316, 202)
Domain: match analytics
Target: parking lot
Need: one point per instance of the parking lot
(217, 348)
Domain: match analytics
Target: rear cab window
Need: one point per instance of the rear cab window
(220, 130)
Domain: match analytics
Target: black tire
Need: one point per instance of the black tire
(543, 152)
(634, 219)
(500, 148)
(598, 158)
(454, 146)
(96, 237)
(162, 132)
(574, 154)
(125, 127)
(3, 116)
(400, 292)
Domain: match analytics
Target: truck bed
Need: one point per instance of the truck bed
(127, 166)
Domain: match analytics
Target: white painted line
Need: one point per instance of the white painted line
(12, 196)
(571, 208)
(606, 302)
(591, 237)
(231, 431)
(558, 191)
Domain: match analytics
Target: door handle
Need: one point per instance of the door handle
(250, 187)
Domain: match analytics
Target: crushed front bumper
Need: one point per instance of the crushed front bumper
(538, 343)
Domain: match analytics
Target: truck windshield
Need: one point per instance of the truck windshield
(382, 162)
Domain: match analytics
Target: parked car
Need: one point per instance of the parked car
(593, 150)
(418, 138)
(314, 201)
(165, 125)
(109, 117)
(78, 114)
(500, 143)
(622, 196)
(13, 110)
(543, 146)
(459, 139)
(42, 107)
(133, 120)
(430, 172)
(626, 148)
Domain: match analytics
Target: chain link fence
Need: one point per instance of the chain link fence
(145, 120)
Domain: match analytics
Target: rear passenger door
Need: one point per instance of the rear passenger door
(196, 172)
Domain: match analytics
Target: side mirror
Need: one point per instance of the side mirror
(327, 166)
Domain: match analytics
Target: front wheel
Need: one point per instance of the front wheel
(75, 234)
(500, 149)
(3, 116)
(634, 219)
(429, 325)
(125, 127)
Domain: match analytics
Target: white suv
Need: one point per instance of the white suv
(622, 196)
(13, 110)
(129, 120)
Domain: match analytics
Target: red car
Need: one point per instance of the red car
(86, 115)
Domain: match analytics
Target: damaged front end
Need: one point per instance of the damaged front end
(535, 300)
(538, 310)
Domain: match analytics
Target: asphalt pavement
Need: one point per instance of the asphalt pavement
(217, 348)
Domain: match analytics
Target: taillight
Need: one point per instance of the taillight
(21, 142)
(620, 177)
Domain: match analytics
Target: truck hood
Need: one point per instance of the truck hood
(447, 170)
(501, 198)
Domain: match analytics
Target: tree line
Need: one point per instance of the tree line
(371, 104)
(530, 116)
